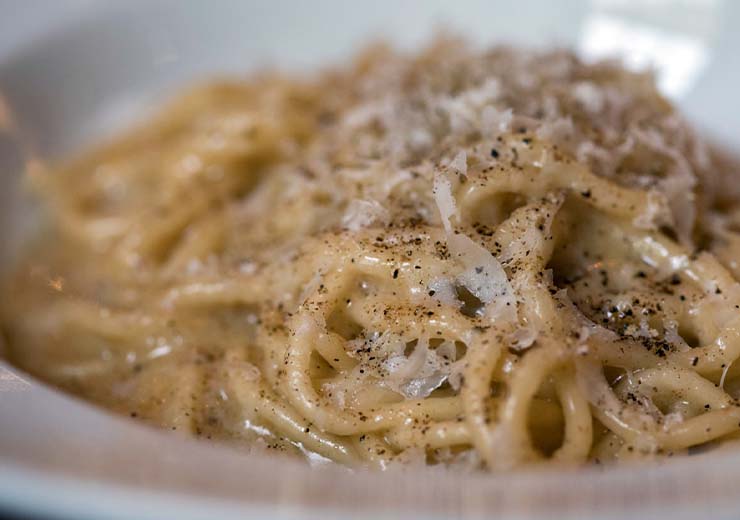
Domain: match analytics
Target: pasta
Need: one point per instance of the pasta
(461, 258)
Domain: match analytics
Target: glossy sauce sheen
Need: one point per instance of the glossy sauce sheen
(481, 260)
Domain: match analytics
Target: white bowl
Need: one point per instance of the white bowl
(76, 69)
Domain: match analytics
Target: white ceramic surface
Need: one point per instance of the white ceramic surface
(73, 70)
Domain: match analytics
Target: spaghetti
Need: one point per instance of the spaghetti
(461, 258)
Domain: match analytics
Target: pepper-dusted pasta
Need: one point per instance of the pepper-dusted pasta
(475, 259)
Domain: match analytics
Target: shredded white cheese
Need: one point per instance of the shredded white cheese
(363, 213)
(482, 274)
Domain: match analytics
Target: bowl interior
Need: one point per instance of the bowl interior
(97, 73)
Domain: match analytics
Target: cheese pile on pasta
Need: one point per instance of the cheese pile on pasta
(461, 258)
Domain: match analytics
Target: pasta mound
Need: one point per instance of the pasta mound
(463, 258)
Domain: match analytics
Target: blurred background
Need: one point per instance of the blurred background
(692, 44)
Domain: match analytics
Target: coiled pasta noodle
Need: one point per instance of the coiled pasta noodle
(474, 259)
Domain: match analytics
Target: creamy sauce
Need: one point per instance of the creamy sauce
(472, 259)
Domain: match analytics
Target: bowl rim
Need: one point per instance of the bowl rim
(64, 485)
